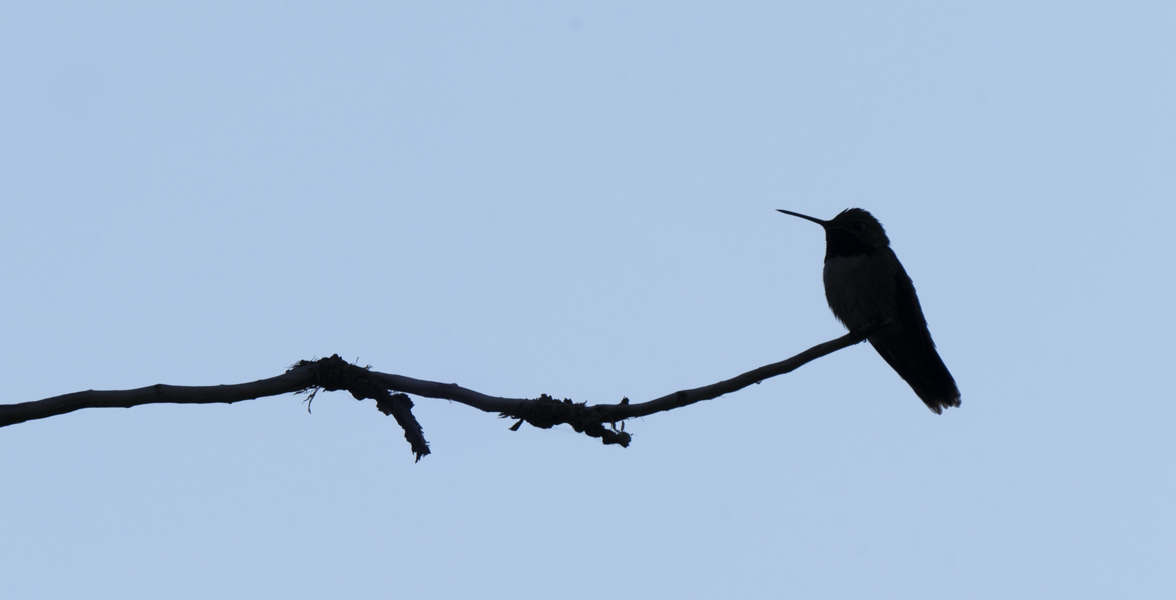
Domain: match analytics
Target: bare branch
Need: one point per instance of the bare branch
(546, 412)
(329, 374)
(390, 393)
(294, 380)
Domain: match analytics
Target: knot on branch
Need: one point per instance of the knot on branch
(546, 412)
(334, 373)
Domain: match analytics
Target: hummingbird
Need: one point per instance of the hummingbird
(865, 283)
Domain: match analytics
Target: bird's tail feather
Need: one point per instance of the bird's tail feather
(912, 354)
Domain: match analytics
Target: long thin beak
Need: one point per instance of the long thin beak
(806, 217)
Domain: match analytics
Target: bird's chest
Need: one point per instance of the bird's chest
(859, 289)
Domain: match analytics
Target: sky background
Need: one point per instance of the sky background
(578, 199)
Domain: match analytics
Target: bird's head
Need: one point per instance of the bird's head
(852, 232)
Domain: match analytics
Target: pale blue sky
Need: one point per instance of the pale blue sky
(577, 198)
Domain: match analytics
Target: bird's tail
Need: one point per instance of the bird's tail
(912, 354)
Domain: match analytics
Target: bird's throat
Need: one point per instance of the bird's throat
(839, 242)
